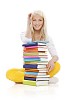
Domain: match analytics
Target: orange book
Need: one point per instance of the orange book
(30, 50)
(34, 49)
(36, 70)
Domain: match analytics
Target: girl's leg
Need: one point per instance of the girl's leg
(16, 75)
(55, 70)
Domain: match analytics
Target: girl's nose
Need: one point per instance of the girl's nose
(37, 22)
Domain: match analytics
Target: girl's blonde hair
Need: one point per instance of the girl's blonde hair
(30, 30)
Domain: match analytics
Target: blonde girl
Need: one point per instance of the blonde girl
(36, 31)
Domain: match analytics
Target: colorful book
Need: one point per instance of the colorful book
(38, 62)
(35, 59)
(35, 73)
(35, 66)
(34, 44)
(28, 82)
(42, 70)
(34, 49)
(34, 53)
(36, 78)
(46, 57)
(35, 83)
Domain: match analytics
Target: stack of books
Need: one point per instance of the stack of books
(35, 60)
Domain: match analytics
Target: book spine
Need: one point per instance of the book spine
(35, 73)
(35, 66)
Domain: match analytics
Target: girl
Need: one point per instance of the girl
(36, 31)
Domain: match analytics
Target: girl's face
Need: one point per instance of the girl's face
(37, 22)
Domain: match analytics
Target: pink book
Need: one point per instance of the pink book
(35, 56)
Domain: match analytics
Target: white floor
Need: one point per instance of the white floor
(55, 91)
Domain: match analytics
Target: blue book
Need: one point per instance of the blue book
(35, 66)
(31, 59)
(36, 73)
(30, 66)
(35, 59)
(31, 73)
(37, 78)
(35, 44)
(30, 78)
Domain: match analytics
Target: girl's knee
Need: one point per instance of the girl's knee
(55, 70)
(16, 75)
(57, 66)
(10, 72)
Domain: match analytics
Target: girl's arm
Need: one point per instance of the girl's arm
(55, 58)
(24, 39)
(51, 47)
(53, 52)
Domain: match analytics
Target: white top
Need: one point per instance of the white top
(50, 45)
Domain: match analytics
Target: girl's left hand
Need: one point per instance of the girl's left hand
(50, 65)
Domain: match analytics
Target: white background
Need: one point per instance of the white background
(13, 20)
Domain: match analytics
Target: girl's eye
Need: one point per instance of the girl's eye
(34, 19)
(40, 20)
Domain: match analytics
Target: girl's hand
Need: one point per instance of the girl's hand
(29, 15)
(29, 18)
(50, 65)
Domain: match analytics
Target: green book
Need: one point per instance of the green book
(36, 83)
(27, 82)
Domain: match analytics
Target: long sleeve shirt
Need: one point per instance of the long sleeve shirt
(50, 44)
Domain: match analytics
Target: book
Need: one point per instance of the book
(29, 59)
(35, 66)
(34, 49)
(35, 73)
(38, 62)
(28, 82)
(34, 44)
(35, 83)
(35, 59)
(46, 57)
(36, 70)
(34, 53)
(42, 83)
(35, 79)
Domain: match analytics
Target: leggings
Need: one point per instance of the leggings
(17, 74)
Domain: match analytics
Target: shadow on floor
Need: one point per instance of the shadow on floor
(20, 89)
